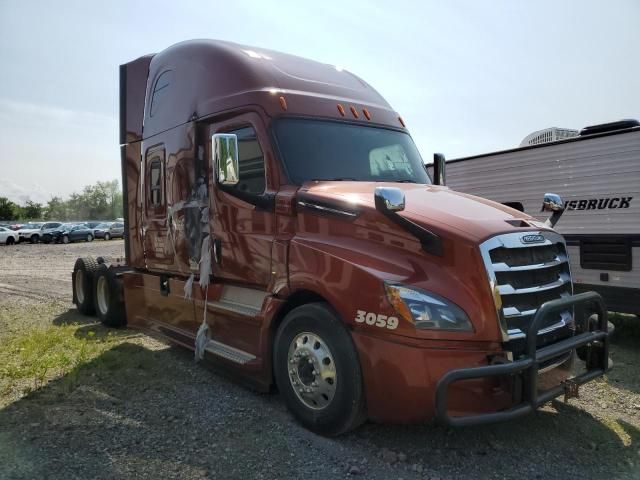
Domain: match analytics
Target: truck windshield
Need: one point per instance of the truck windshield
(326, 150)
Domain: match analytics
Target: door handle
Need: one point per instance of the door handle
(164, 286)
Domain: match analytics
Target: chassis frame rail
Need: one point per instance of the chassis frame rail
(529, 364)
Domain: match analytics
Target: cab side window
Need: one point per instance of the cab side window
(155, 187)
(155, 194)
(250, 162)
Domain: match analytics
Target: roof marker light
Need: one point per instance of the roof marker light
(341, 109)
(401, 122)
(366, 113)
(354, 111)
(283, 103)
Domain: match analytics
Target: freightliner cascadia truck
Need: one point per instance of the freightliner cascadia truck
(281, 222)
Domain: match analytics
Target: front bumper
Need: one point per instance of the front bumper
(528, 366)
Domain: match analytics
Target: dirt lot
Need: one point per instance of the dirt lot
(80, 401)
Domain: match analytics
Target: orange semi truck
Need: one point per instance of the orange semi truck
(281, 223)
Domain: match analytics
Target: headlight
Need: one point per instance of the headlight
(427, 310)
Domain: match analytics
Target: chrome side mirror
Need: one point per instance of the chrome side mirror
(553, 203)
(225, 158)
(389, 199)
(439, 177)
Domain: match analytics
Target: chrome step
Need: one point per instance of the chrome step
(228, 352)
(234, 307)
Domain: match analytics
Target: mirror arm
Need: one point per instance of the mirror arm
(553, 219)
(439, 176)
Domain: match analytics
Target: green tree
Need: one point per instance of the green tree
(8, 209)
(32, 211)
(56, 209)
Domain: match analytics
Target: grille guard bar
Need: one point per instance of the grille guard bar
(528, 365)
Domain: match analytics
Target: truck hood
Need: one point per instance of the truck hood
(433, 207)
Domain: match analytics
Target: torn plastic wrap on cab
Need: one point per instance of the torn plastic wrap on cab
(196, 232)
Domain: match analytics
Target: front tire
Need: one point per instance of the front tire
(82, 278)
(107, 236)
(10, 241)
(65, 239)
(35, 238)
(89, 238)
(109, 302)
(317, 370)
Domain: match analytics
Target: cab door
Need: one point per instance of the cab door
(242, 216)
(242, 230)
(156, 251)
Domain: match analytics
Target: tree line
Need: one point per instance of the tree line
(101, 201)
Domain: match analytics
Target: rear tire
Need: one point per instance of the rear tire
(35, 238)
(109, 304)
(10, 241)
(317, 370)
(89, 238)
(65, 239)
(107, 236)
(82, 278)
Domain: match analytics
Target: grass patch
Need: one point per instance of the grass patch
(33, 357)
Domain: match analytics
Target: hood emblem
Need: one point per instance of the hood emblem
(532, 238)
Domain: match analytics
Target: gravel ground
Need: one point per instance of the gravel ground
(143, 409)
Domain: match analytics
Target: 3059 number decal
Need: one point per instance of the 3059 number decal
(376, 319)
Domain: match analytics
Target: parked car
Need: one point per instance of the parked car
(30, 232)
(92, 224)
(109, 230)
(67, 233)
(8, 236)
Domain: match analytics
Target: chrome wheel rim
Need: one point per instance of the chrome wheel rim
(102, 294)
(80, 286)
(89, 238)
(65, 239)
(312, 370)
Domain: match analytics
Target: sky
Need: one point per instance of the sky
(468, 77)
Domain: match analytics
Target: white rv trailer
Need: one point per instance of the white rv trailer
(598, 175)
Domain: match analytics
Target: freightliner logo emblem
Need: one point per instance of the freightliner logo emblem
(532, 238)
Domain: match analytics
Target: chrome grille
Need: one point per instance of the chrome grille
(523, 276)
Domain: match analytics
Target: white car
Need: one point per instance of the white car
(8, 237)
(30, 232)
(34, 232)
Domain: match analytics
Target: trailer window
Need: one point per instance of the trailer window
(155, 184)
(328, 150)
(606, 253)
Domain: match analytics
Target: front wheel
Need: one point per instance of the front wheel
(107, 236)
(317, 370)
(89, 238)
(10, 241)
(34, 238)
(65, 239)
